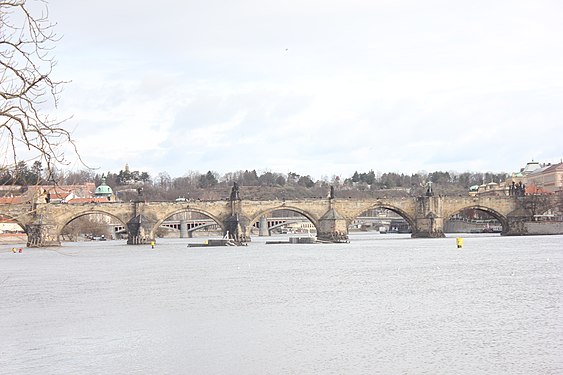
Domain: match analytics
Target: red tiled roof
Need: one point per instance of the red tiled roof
(533, 189)
(56, 192)
(13, 200)
(59, 194)
(554, 167)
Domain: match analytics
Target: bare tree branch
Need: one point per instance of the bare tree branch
(27, 91)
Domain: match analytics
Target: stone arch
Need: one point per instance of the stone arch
(410, 220)
(257, 216)
(503, 220)
(179, 211)
(21, 224)
(24, 228)
(79, 214)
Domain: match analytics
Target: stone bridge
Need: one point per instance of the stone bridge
(43, 222)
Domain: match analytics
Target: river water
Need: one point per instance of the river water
(382, 304)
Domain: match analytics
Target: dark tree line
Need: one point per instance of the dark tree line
(23, 175)
(266, 185)
(396, 180)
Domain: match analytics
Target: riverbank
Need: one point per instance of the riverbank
(13, 238)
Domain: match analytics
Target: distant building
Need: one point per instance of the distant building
(71, 194)
(548, 178)
(44, 193)
(534, 178)
(104, 191)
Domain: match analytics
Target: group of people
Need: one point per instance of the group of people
(517, 189)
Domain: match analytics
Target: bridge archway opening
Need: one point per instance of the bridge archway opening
(282, 221)
(11, 231)
(93, 226)
(475, 220)
(382, 219)
(188, 224)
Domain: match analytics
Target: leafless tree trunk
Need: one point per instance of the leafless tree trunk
(27, 131)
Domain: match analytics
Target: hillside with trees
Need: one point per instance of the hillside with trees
(253, 184)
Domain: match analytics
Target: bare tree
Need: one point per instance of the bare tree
(27, 89)
(88, 225)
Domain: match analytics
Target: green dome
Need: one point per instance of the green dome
(103, 190)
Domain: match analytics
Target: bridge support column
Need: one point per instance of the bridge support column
(333, 227)
(431, 227)
(139, 230)
(184, 229)
(429, 222)
(517, 226)
(235, 228)
(42, 235)
(264, 231)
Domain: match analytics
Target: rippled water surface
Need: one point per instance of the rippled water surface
(382, 304)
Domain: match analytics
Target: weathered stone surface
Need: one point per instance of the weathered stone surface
(426, 215)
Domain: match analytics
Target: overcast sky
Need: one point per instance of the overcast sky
(319, 88)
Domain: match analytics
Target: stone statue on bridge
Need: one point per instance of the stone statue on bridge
(429, 192)
(331, 194)
(235, 192)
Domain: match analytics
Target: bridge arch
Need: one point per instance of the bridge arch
(298, 210)
(76, 215)
(380, 205)
(13, 219)
(502, 219)
(280, 225)
(159, 222)
(15, 235)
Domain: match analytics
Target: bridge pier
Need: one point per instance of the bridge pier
(263, 230)
(184, 229)
(235, 228)
(333, 227)
(42, 235)
(429, 222)
(432, 227)
(139, 231)
(517, 226)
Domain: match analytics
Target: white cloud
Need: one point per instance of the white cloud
(318, 88)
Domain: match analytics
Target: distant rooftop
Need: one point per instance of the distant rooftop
(530, 167)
